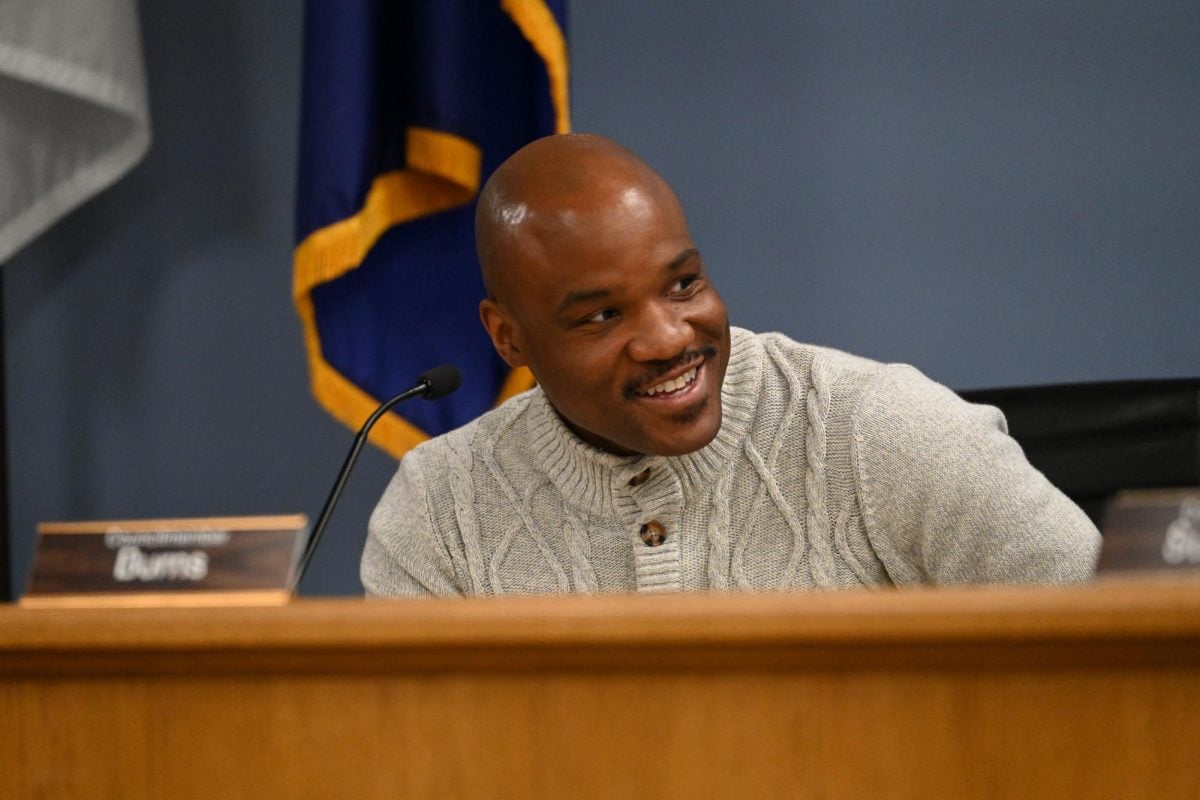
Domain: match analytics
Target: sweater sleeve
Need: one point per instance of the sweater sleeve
(948, 496)
(404, 555)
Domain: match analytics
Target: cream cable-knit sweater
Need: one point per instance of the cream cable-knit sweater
(828, 470)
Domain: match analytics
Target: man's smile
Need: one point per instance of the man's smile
(672, 385)
(673, 376)
(685, 387)
(682, 397)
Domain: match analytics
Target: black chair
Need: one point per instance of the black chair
(1094, 439)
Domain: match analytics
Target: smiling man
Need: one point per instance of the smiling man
(663, 451)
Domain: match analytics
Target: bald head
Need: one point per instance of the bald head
(596, 286)
(555, 189)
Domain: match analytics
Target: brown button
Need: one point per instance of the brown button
(640, 478)
(653, 533)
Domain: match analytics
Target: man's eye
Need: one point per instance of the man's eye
(602, 316)
(685, 285)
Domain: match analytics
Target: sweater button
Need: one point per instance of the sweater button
(640, 478)
(653, 533)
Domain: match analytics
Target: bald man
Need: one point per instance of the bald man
(664, 451)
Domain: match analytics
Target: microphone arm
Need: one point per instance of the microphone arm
(437, 382)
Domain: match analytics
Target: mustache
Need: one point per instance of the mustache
(652, 374)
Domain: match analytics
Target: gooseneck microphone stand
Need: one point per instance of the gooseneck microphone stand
(437, 382)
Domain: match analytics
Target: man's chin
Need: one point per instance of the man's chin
(684, 431)
(692, 434)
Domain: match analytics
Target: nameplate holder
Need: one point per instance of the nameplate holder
(1151, 529)
(209, 561)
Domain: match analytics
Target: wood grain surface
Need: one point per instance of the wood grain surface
(1080, 692)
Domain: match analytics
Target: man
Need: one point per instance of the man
(663, 451)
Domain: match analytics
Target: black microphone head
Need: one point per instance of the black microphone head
(440, 381)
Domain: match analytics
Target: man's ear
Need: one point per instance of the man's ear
(505, 332)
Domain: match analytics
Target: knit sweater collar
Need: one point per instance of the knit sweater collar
(589, 477)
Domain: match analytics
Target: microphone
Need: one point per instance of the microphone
(434, 383)
(439, 382)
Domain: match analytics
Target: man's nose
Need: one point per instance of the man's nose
(661, 333)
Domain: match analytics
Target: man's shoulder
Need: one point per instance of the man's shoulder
(467, 439)
(858, 381)
(782, 347)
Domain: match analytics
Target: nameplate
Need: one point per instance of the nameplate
(167, 562)
(1152, 529)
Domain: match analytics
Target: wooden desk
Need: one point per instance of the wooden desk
(1083, 692)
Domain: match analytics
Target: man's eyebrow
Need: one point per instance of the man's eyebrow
(581, 295)
(681, 259)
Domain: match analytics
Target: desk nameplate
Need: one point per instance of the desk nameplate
(174, 562)
(1152, 529)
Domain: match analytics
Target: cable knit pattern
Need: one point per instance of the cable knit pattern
(742, 542)
(521, 507)
(791, 519)
(463, 490)
(814, 475)
(846, 552)
(874, 474)
(718, 534)
(574, 532)
(499, 554)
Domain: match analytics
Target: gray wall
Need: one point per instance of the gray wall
(999, 193)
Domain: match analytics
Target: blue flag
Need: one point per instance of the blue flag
(407, 106)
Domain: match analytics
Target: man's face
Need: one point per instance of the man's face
(612, 310)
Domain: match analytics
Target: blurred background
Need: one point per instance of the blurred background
(998, 193)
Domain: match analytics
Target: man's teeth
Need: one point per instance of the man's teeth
(673, 385)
